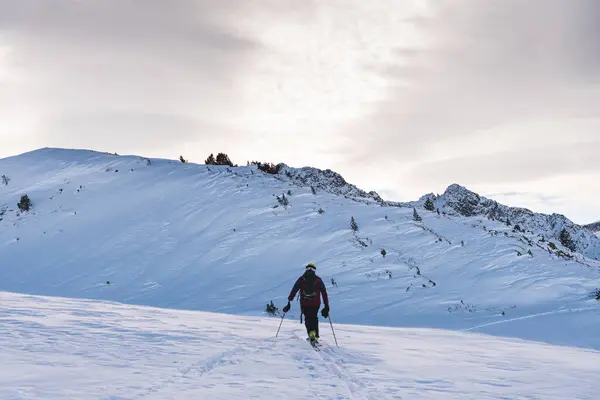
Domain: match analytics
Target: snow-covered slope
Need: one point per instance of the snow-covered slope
(594, 227)
(215, 238)
(54, 348)
(328, 181)
(459, 201)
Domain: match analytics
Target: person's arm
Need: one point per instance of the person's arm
(324, 293)
(291, 296)
(294, 290)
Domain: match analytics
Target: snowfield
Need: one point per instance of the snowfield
(56, 348)
(212, 238)
(136, 278)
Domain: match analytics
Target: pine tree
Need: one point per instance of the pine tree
(429, 206)
(210, 160)
(566, 240)
(223, 159)
(353, 224)
(24, 204)
(416, 215)
(271, 309)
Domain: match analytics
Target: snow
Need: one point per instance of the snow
(134, 278)
(208, 238)
(56, 348)
(594, 227)
(459, 201)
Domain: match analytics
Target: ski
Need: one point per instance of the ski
(315, 345)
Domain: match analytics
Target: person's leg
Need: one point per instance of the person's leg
(311, 319)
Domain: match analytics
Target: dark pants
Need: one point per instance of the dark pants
(311, 318)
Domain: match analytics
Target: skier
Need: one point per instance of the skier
(311, 288)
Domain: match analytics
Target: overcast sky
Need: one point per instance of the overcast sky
(401, 97)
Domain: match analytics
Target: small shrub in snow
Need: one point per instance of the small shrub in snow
(183, 160)
(271, 309)
(596, 294)
(283, 201)
(289, 192)
(552, 245)
(438, 211)
(564, 255)
(565, 240)
(383, 252)
(416, 215)
(5, 180)
(320, 211)
(353, 224)
(268, 168)
(517, 228)
(429, 206)
(508, 222)
(24, 204)
(313, 190)
(362, 243)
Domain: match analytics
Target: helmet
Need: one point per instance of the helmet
(311, 266)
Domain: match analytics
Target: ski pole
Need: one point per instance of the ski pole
(282, 317)
(336, 343)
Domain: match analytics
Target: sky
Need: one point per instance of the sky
(404, 98)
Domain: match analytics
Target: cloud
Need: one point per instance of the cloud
(536, 196)
(489, 65)
(127, 66)
(132, 131)
(511, 166)
(403, 97)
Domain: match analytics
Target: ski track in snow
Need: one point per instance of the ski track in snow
(57, 348)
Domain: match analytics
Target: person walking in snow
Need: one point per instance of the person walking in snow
(311, 289)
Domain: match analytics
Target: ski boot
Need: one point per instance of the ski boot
(312, 336)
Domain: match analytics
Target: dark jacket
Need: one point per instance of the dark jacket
(306, 284)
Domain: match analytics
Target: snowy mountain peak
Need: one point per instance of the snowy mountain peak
(456, 188)
(328, 181)
(459, 201)
(594, 227)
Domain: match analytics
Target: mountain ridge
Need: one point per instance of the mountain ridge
(214, 238)
(594, 227)
(456, 200)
